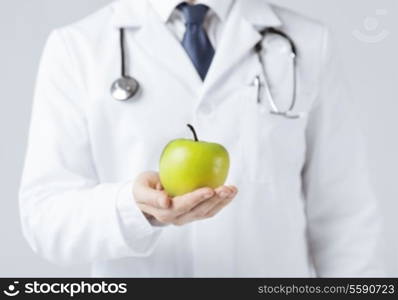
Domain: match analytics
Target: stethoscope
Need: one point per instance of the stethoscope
(288, 113)
(126, 87)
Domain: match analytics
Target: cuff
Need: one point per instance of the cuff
(139, 233)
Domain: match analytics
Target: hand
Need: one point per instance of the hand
(200, 204)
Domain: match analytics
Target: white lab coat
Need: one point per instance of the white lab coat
(305, 202)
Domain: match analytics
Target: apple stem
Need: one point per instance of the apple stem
(194, 132)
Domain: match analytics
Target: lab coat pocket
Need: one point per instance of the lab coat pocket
(253, 131)
(269, 142)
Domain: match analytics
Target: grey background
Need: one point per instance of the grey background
(371, 70)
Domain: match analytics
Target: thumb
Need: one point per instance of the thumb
(146, 191)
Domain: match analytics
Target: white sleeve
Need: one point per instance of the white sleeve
(342, 212)
(67, 215)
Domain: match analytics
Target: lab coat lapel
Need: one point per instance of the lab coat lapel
(157, 40)
(240, 35)
(127, 15)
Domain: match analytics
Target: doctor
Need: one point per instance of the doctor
(304, 207)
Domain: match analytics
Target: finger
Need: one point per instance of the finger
(234, 190)
(164, 216)
(224, 191)
(202, 210)
(159, 186)
(197, 213)
(145, 191)
(185, 203)
(156, 198)
(149, 209)
(217, 208)
(149, 178)
(219, 205)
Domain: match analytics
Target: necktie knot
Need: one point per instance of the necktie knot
(193, 14)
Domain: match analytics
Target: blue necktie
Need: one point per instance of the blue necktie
(195, 41)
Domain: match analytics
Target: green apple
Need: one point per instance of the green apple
(186, 165)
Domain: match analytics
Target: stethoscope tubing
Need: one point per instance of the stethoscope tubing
(259, 49)
(122, 52)
(130, 85)
(125, 87)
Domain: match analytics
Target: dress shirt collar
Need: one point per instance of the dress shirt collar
(165, 8)
(133, 13)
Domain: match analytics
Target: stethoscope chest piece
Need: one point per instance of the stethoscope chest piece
(124, 88)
